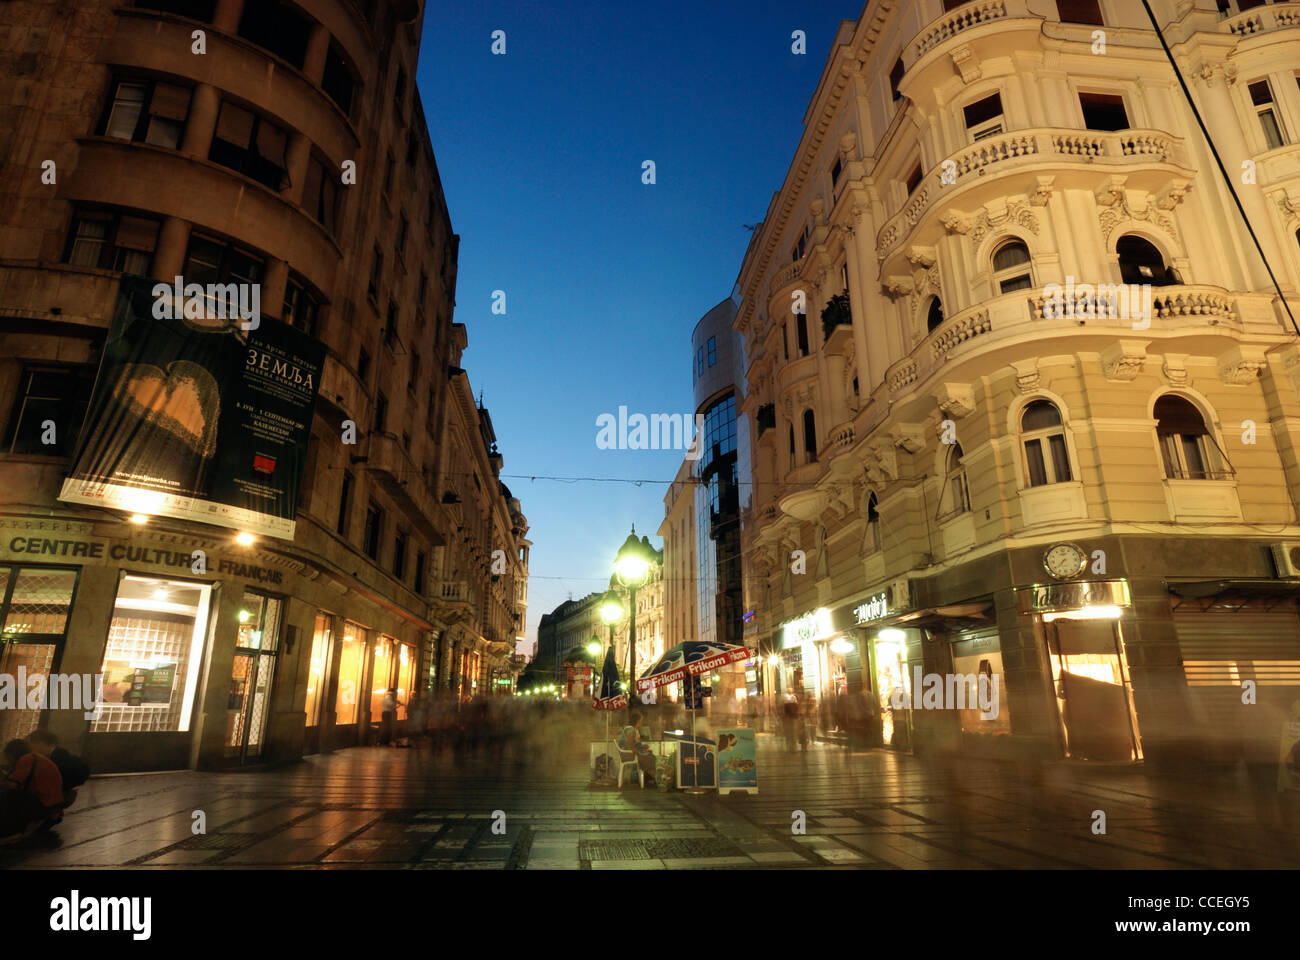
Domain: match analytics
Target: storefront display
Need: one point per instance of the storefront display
(975, 656)
(381, 675)
(318, 669)
(893, 685)
(252, 674)
(153, 655)
(352, 665)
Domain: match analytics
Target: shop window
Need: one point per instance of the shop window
(301, 306)
(338, 81)
(1012, 269)
(1140, 262)
(318, 669)
(1186, 446)
(984, 117)
(809, 436)
(276, 27)
(35, 603)
(373, 531)
(1103, 111)
(147, 112)
(50, 405)
(352, 665)
(1047, 459)
(1080, 11)
(934, 314)
(345, 504)
(153, 656)
(973, 660)
(956, 494)
(381, 677)
(194, 9)
(895, 78)
(112, 241)
(250, 144)
(1261, 97)
(320, 193)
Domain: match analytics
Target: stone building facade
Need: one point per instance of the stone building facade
(1022, 391)
(280, 145)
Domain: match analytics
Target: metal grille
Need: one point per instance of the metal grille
(674, 848)
(41, 601)
(37, 658)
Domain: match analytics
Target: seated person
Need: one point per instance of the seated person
(32, 792)
(73, 770)
(631, 740)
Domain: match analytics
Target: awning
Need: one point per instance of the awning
(958, 616)
(1255, 595)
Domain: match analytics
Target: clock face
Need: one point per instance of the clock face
(1064, 560)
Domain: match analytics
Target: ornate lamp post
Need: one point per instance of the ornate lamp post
(632, 569)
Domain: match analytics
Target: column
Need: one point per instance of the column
(274, 282)
(205, 105)
(318, 45)
(169, 256)
(296, 155)
(227, 14)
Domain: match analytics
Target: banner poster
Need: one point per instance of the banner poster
(198, 419)
(737, 761)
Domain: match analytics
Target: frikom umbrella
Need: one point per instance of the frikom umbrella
(691, 658)
(607, 695)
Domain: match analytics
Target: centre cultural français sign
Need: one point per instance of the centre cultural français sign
(27, 546)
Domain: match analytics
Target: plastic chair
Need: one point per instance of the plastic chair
(626, 760)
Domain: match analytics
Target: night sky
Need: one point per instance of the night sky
(540, 153)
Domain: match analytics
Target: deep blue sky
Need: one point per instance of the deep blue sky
(540, 153)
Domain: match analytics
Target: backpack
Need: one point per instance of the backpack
(74, 770)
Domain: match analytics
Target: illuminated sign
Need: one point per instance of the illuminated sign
(812, 626)
(876, 608)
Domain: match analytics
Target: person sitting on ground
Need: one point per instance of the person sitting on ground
(73, 769)
(33, 791)
(631, 741)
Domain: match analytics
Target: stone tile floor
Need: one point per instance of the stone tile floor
(415, 809)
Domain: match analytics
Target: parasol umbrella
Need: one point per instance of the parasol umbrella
(608, 695)
(691, 658)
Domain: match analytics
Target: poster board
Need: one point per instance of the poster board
(737, 761)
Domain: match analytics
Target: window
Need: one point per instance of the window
(419, 571)
(792, 446)
(345, 505)
(301, 306)
(895, 78)
(402, 226)
(390, 324)
(374, 528)
(934, 317)
(320, 192)
(1103, 111)
(871, 539)
(914, 180)
(1080, 11)
(212, 261)
(338, 81)
(1188, 450)
(381, 412)
(276, 27)
(194, 9)
(112, 241)
(250, 144)
(423, 291)
(712, 350)
(785, 340)
(376, 274)
(399, 95)
(1261, 95)
(801, 329)
(148, 112)
(415, 371)
(699, 361)
(399, 554)
(835, 172)
(1043, 435)
(984, 117)
(363, 365)
(809, 436)
(1141, 262)
(955, 490)
(388, 175)
(57, 395)
(1011, 267)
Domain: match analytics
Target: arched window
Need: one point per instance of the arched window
(1141, 262)
(809, 436)
(958, 496)
(1047, 459)
(872, 538)
(1011, 267)
(1188, 451)
(792, 446)
(935, 315)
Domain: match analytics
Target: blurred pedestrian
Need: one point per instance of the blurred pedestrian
(388, 717)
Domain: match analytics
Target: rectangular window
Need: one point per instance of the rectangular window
(50, 405)
(390, 324)
(153, 655)
(301, 306)
(835, 172)
(420, 560)
(146, 112)
(276, 27)
(352, 663)
(1080, 11)
(363, 365)
(376, 274)
(415, 371)
(801, 326)
(914, 180)
(345, 505)
(373, 531)
(251, 145)
(399, 96)
(1034, 460)
(338, 82)
(984, 117)
(318, 669)
(1103, 111)
(712, 350)
(401, 237)
(699, 361)
(209, 260)
(112, 241)
(399, 554)
(381, 412)
(388, 175)
(320, 193)
(1261, 96)
(895, 78)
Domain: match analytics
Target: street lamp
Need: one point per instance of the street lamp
(632, 569)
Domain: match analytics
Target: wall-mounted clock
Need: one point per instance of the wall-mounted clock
(1064, 560)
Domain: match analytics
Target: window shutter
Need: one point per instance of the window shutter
(271, 143)
(235, 126)
(135, 233)
(170, 101)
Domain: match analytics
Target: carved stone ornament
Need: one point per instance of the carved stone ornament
(897, 286)
(956, 400)
(1123, 360)
(921, 257)
(1027, 375)
(1134, 207)
(1172, 195)
(1288, 202)
(963, 60)
(1241, 365)
(1042, 192)
(909, 436)
(848, 143)
(1174, 369)
(954, 221)
(1017, 212)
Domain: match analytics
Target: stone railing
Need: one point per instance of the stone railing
(1276, 16)
(1170, 302)
(903, 373)
(786, 275)
(841, 438)
(959, 329)
(1125, 304)
(955, 22)
(453, 591)
(1009, 150)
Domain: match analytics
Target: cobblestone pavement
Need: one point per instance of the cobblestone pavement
(414, 809)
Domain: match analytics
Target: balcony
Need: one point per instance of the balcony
(452, 600)
(1091, 155)
(391, 465)
(1277, 16)
(956, 22)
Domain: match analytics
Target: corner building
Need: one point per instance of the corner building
(1097, 509)
(289, 150)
